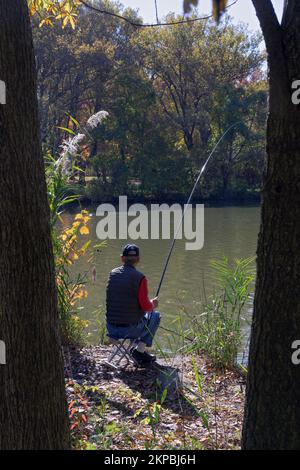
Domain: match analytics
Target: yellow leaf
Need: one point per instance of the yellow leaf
(84, 230)
(86, 219)
(83, 294)
(46, 22)
(65, 22)
(33, 9)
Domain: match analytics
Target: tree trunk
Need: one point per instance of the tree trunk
(33, 412)
(272, 413)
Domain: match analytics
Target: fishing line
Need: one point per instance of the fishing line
(165, 267)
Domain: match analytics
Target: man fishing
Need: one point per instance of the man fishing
(129, 311)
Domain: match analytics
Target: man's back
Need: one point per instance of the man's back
(122, 305)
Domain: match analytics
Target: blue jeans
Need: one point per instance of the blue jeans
(144, 330)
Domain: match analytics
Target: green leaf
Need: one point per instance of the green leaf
(112, 428)
(204, 418)
(90, 446)
(86, 245)
(197, 375)
(146, 421)
(66, 130)
(138, 412)
(164, 395)
(73, 120)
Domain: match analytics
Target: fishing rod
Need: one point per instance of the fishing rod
(187, 206)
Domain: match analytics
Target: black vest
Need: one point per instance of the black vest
(122, 305)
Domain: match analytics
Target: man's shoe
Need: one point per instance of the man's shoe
(142, 359)
(149, 357)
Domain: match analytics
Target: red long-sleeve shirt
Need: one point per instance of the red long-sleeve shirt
(143, 296)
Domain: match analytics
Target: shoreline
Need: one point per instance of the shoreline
(86, 203)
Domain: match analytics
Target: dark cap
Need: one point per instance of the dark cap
(131, 250)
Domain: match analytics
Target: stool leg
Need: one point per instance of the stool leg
(122, 351)
(112, 356)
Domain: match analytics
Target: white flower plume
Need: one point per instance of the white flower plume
(71, 145)
(97, 119)
(69, 149)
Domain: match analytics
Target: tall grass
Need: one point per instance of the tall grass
(66, 249)
(216, 330)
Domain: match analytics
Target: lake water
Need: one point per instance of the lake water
(229, 231)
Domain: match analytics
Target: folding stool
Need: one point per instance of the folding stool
(121, 352)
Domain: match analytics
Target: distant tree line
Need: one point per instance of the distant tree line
(170, 93)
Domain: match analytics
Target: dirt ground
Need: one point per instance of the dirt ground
(178, 403)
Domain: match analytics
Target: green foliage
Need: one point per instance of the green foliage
(66, 252)
(167, 107)
(217, 330)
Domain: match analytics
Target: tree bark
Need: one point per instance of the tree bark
(33, 411)
(272, 412)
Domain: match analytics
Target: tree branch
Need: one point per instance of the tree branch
(273, 34)
(141, 25)
(269, 24)
(156, 11)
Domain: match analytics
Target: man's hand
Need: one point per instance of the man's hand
(155, 302)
